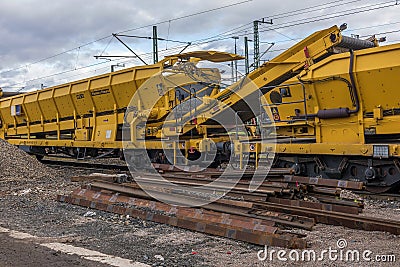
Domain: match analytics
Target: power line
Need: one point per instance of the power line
(53, 56)
(308, 9)
(380, 33)
(108, 44)
(141, 27)
(187, 16)
(71, 70)
(348, 30)
(243, 29)
(314, 19)
(374, 26)
(274, 17)
(325, 17)
(165, 21)
(240, 29)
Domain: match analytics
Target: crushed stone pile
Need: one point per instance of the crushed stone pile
(16, 164)
(21, 172)
(346, 194)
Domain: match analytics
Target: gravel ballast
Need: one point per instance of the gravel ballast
(27, 203)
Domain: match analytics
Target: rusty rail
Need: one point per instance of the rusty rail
(246, 229)
(242, 207)
(256, 217)
(328, 213)
(337, 218)
(323, 182)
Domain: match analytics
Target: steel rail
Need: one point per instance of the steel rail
(253, 230)
(337, 218)
(241, 207)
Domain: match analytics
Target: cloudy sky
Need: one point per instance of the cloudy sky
(51, 42)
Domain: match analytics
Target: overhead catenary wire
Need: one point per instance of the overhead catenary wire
(141, 27)
(341, 14)
(108, 44)
(310, 9)
(188, 16)
(249, 26)
(380, 33)
(307, 20)
(15, 85)
(313, 19)
(53, 56)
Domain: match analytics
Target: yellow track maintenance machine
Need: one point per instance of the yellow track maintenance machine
(335, 115)
(339, 117)
(326, 107)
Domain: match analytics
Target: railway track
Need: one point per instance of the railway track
(283, 201)
(82, 164)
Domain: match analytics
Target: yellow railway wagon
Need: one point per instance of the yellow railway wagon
(85, 113)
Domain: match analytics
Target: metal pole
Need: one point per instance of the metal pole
(256, 45)
(232, 72)
(236, 74)
(155, 45)
(256, 60)
(246, 56)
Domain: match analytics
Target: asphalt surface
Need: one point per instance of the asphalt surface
(15, 252)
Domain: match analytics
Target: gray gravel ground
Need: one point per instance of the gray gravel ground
(27, 204)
